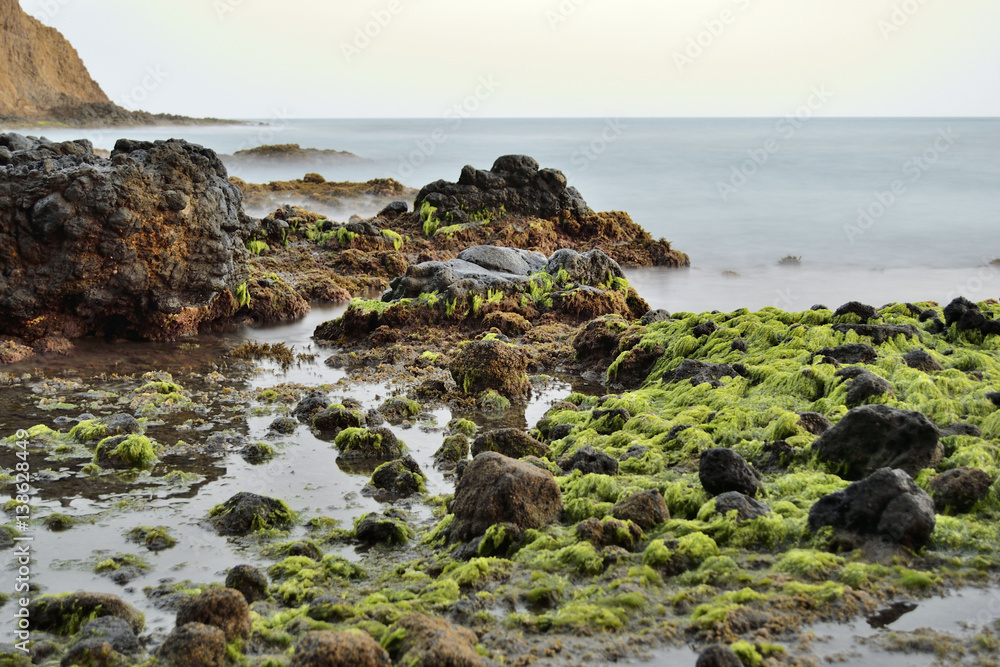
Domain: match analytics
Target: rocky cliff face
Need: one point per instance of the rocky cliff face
(39, 69)
(147, 244)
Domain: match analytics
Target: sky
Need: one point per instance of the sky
(538, 58)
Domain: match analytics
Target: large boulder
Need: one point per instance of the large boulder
(966, 316)
(512, 442)
(721, 470)
(887, 504)
(587, 268)
(426, 641)
(148, 243)
(505, 260)
(877, 436)
(193, 644)
(514, 184)
(491, 365)
(496, 489)
(247, 512)
(958, 490)
(66, 614)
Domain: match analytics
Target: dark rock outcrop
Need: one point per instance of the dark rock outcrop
(400, 478)
(922, 361)
(514, 184)
(887, 504)
(956, 491)
(246, 512)
(721, 470)
(814, 422)
(248, 580)
(496, 489)
(115, 631)
(718, 656)
(863, 311)
(864, 385)
(876, 436)
(147, 244)
(966, 316)
(65, 614)
(852, 353)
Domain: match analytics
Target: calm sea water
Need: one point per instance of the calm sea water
(878, 210)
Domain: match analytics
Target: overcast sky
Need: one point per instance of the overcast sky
(531, 58)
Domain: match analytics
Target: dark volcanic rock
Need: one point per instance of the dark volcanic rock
(496, 489)
(309, 405)
(745, 506)
(389, 527)
(700, 372)
(814, 422)
(224, 608)
(966, 316)
(491, 364)
(956, 491)
(512, 442)
(876, 436)
(721, 470)
(90, 245)
(249, 581)
(326, 648)
(852, 353)
(922, 361)
(397, 479)
(93, 653)
(426, 641)
(633, 369)
(864, 385)
(589, 460)
(960, 428)
(654, 316)
(193, 644)
(246, 512)
(515, 184)
(645, 509)
(886, 504)
(864, 311)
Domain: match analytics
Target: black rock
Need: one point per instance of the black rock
(249, 581)
(956, 491)
(721, 470)
(864, 311)
(745, 506)
(877, 436)
(706, 328)
(700, 372)
(886, 504)
(814, 422)
(922, 361)
(718, 656)
(113, 630)
(960, 428)
(852, 353)
(394, 210)
(654, 316)
(879, 333)
(283, 426)
(864, 385)
(589, 460)
(309, 405)
(738, 345)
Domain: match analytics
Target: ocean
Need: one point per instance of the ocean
(875, 210)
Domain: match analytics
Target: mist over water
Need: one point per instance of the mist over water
(878, 210)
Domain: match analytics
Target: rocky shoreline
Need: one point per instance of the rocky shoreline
(726, 480)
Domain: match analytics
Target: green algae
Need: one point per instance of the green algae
(88, 430)
(136, 451)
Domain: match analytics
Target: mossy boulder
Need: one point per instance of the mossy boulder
(193, 644)
(887, 504)
(397, 479)
(497, 489)
(248, 580)
(609, 532)
(511, 442)
(387, 528)
(125, 451)
(311, 404)
(66, 614)
(455, 448)
(509, 324)
(490, 364)
(361, 444)
(326, 648)
(956, 491)
(426, 641)
(334, 419)
(645, 509)
(398, 409)
(871, 437)
(248, 512)
(94, 652)
(223, 608)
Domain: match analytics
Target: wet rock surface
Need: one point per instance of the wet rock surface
(223, 608)
(721, 470)
(427, 641)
